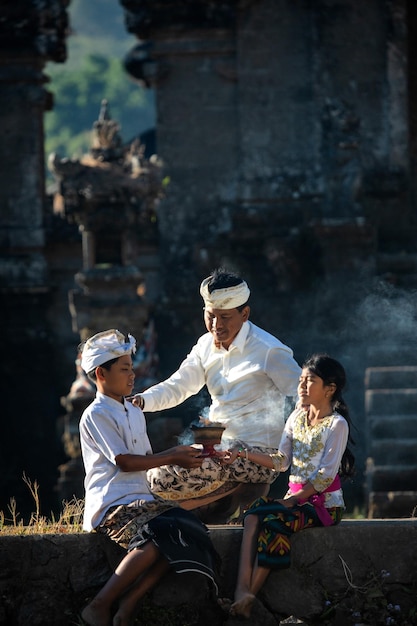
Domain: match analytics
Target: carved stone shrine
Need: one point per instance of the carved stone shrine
(111, 193)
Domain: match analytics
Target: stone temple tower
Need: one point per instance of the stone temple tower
(111, 194)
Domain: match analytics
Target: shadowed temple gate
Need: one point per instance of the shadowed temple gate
(288, 134)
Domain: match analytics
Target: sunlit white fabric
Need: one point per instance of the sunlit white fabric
(247, 383)
(104, 347)
(109, 428)
(227, 298)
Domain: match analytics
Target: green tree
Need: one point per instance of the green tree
(93, 71)
(77, 99)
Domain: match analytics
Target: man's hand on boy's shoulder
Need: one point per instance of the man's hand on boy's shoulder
(136, 400)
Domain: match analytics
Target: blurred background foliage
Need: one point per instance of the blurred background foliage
(96, 47)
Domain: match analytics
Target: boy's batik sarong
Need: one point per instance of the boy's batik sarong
(123, 523)
(178, 534)
(278, 523)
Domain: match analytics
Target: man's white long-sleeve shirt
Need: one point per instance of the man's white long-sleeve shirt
(247, 383)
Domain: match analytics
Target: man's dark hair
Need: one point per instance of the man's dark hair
(221, 278)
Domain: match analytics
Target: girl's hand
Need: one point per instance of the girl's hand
(290, 502)
(227, 456)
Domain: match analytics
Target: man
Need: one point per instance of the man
(248, 373)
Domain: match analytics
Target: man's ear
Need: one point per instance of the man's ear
(246, 313)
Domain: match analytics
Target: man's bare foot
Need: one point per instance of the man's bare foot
(242, 605)
(225, 604)
(95, 614)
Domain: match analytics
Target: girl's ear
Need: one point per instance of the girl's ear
(332, 387)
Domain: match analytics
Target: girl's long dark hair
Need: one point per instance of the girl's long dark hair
(331, 371)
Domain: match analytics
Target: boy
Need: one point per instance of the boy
(117, 453)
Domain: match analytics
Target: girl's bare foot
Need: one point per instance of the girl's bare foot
(242, 605)
(95, 614)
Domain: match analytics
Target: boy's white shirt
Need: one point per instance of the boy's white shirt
(109, 428)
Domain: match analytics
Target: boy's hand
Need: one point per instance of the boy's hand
(186, 456)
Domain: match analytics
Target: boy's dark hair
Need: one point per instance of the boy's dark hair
(107, 366)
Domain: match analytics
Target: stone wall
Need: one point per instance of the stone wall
(392, 435)
(45, 580)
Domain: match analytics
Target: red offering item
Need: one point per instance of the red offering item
(208, 437)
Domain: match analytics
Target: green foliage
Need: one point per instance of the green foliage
(98, 18)
(96, 45)
(77, 99)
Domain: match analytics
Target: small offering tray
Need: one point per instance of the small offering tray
(208, 434)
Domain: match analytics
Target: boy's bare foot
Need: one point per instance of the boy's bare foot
(96, 615)
(122, 618)
(225, 604)
(243, 605)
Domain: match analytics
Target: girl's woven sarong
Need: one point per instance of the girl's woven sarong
(278, 523)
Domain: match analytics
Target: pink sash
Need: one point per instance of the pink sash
(317, 500)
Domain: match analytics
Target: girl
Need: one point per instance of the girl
(314, 444)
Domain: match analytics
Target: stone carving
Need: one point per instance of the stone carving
(112, 186)
(39, 25)
(142, 15)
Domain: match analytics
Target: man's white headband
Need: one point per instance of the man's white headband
(227, 298)
(104, 347)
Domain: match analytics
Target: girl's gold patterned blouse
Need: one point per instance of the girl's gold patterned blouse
(314, 452)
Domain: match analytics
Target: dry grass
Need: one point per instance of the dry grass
(69, 521)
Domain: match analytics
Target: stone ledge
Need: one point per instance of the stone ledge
(45, 580)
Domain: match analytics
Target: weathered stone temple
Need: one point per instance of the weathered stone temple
(288, 131)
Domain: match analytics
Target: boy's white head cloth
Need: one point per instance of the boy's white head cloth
(227, 298)
(104, 347)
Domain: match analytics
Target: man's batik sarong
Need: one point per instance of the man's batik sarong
(175, 483)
